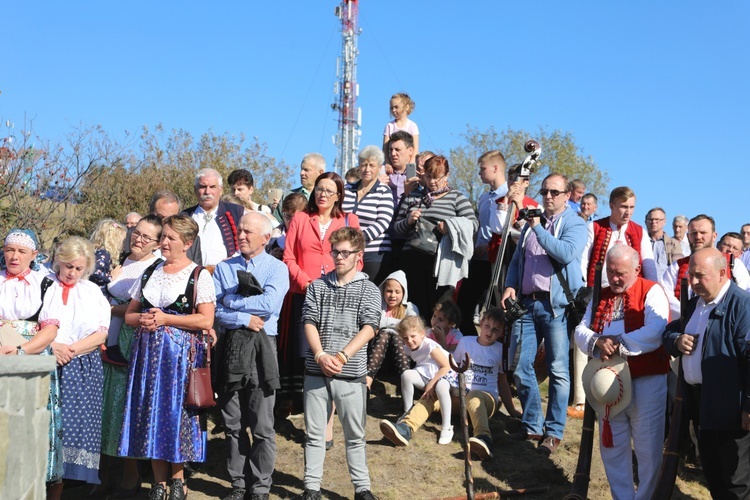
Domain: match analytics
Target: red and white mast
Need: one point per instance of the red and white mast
(347, 89)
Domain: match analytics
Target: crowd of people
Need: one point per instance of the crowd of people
(302, 301)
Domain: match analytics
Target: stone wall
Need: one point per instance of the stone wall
(24, 425)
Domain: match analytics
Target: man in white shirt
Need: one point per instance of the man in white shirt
(679, 228)
(714, 352)
(217, 220)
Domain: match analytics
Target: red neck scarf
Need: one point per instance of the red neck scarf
(20, 276)
(66, 290)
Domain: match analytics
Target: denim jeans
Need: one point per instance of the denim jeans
(536, 325)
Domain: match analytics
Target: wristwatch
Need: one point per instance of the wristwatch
(19, 350)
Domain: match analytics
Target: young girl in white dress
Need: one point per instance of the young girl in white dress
(430, 373)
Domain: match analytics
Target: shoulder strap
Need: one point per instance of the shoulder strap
(46, 283)
(563, 282)
(194, 279)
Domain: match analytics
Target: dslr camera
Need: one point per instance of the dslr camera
(513, 310)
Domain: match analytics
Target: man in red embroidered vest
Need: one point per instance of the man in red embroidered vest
(216, 219)
(701, 234)
(618, 229)
(629, 321)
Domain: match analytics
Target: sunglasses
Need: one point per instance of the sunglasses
(554, 192)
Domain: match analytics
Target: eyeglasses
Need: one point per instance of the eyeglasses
(343, 253)
(140, 236)
(651, 219)
(327, 192)
(553, 192)
(429, 178)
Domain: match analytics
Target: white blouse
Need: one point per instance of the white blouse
(86, 312)
(132, 270)
(120, 287)
(20, 299)
(163, 288)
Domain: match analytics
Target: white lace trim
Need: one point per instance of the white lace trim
(77, 456)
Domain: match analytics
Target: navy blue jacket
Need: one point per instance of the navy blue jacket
(725, 391)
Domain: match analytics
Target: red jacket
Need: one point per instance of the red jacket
(305, 254)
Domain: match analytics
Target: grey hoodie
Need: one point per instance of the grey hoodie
(386, 322)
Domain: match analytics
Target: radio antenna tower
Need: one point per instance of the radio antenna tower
(347, 89)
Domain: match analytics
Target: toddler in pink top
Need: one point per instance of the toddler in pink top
(445, 316)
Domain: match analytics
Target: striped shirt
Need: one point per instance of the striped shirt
(375, 212)
(339, 313)
(453, 204)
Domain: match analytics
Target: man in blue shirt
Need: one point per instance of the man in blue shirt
(251, 467)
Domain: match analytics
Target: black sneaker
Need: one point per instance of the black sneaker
(365, 495)
(258, 496)
(398, 433)
(236, 494)
(481, 446)
(309, 495)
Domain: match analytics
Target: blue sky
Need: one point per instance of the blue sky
(656, 92)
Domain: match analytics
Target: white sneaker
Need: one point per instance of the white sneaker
(446, 435)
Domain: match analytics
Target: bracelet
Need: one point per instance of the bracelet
(342, 357)
(19, 350)
(319, 355)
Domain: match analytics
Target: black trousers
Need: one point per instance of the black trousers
(725, 456)
(471, 292)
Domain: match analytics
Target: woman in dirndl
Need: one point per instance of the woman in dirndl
(171, 304)
(144, 240)
(84, 315)
(22, 288)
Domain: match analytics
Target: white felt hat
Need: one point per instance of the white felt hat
(607, 385)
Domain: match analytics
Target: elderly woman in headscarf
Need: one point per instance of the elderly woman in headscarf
(83, 314)
(22, 288)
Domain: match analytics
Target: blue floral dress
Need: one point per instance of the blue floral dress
(156, 423)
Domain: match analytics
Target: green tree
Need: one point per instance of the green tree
(170, 160)
(560, 153)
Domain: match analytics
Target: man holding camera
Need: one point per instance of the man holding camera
(548, 251)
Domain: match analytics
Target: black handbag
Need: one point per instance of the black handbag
(425, 238)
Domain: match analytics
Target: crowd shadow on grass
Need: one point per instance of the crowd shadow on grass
(514, 462)
(282, 482)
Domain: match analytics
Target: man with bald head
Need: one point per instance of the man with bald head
(629, 322)
(714, 353)
(250, 321)
(216, 219)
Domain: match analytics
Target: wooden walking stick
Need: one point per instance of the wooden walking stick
(671, 455)
(460, 369)
(580, 487)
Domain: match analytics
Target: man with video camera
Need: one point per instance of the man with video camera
(549, 251)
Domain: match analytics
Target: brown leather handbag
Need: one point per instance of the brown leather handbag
(199, 393)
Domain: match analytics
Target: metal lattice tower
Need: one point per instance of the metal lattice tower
(347, 89)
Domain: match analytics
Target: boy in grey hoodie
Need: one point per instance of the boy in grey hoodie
(340, 316)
